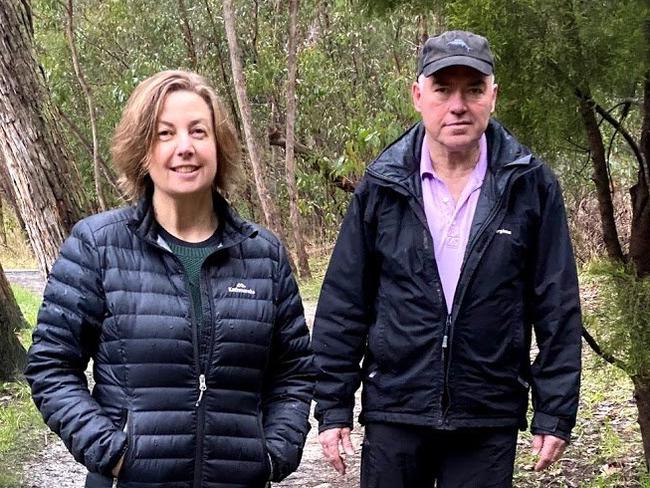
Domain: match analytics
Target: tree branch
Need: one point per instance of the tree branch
(106, 170)
(89, 100)
(628, 138)
(598, 350)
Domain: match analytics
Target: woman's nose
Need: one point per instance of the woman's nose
(185, 146)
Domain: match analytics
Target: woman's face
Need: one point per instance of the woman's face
(183, 160)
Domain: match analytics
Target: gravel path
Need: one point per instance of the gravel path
(54, 467)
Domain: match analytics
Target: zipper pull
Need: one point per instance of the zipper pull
(445, 338)
(202, 388)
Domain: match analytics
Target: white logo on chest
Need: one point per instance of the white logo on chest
(241, 288)
(504, 231)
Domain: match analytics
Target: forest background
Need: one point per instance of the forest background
(317, 88)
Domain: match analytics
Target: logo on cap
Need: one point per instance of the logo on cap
(459, 43)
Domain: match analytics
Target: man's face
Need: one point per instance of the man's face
(455, 104)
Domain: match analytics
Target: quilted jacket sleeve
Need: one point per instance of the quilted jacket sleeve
(65, 337)
(557, 321)
(290, 379)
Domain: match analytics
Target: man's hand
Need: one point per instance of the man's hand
(116, 470)
(549, 449)
(335, 443)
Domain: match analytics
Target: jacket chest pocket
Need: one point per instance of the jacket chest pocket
(509, 245)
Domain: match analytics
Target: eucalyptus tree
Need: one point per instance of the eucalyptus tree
(44, 180)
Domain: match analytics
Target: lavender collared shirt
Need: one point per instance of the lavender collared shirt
(450, 224)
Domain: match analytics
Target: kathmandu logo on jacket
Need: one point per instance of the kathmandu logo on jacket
(241, 288)
(504, 231)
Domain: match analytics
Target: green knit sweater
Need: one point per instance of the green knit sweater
(192, 255)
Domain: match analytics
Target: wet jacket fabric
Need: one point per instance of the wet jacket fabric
(382, 301)
(119, 296)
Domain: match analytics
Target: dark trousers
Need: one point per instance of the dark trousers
(404, 456)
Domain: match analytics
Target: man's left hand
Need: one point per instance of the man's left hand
(549, 449)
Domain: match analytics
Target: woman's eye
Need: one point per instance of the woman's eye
(164, 134)
(199, 131)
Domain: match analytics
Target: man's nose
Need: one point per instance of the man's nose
(185, 147)
(457, 103)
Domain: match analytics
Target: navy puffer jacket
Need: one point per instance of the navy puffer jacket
(223, 407)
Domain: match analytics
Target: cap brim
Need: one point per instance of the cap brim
(477, 64)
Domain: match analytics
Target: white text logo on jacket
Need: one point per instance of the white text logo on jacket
(241, 288)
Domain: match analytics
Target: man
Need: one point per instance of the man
(454, 249)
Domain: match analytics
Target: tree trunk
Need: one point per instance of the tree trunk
(600, 177)
(216, 39)
(642, 397)
(46, 184)
(187, 34)
(640, 232)
(292, 188)
(3, 229)
(268, 207)
(89, 101)
(12, 353)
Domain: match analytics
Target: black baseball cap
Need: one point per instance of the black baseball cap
(455, 48)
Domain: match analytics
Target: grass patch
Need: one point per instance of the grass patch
(21, 426)
(21, 431)
(606, 448)
(29, 304)
(310, 289)
(16, 253)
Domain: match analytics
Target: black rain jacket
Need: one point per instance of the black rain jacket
(217, 408)
(382, 301)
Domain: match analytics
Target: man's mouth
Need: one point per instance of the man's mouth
(185, 169)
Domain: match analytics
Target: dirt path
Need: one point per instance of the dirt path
(54, 467)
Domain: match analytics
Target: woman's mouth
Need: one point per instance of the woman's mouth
(185, 169)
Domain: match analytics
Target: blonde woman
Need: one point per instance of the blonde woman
(201, 356)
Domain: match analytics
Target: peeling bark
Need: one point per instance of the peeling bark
(45, 182)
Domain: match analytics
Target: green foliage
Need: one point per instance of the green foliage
(17, 253)
(20, 428)
(618, 314)
(29, 304)
(21, 425)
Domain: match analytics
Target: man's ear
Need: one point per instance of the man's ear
(495, 91)
(416, 94)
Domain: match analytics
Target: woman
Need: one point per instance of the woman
(201, 358)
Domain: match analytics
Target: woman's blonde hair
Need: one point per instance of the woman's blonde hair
(135, 135)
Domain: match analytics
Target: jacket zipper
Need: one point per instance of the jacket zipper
(202, 386)
(202, 383)
(460, 290)
(447, 337)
